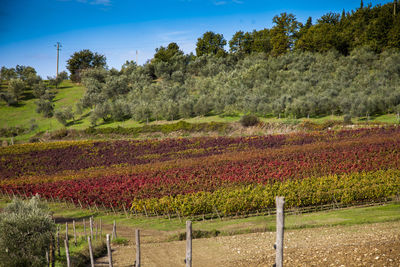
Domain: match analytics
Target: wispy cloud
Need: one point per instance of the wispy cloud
(221, 3)
(100, 2)
(91, 2)
(174, 36)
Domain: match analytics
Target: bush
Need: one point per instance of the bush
(63, 115)
(26, 229)
(63, 75)
(249, 120)
(12, 131)
(16, 88)
(9, 99)
(45, 107)
(347, 119)
(58, 134)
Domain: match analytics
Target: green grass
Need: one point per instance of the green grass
(349, 216)
(68, 94)
(230, 226)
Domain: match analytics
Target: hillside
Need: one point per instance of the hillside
(24, 115)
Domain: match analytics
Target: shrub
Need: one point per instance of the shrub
(63, 115)
(63, 75)
(249, 120)
(45, 107)
(16, 88)
(26, 229)
(347, 119)
(12, 131)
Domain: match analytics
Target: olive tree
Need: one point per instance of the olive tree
(26, 230)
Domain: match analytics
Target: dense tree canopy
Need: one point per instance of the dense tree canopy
(84, 59)
(211, 43)
(296, 84)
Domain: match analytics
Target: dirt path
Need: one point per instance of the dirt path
(361, 245)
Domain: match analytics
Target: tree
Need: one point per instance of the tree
(165, 54)
(330, 18)
(394, 34)
(64, 114)
(320, 38)
(26, 230)
(120, 110)
(82, 60)
(63, 75)
(262, 41)
(284, 33)
(211, 43)
(7, 74)
(241, 42)
(24, 72)
(40, 89)
(16, 88)
(45, 107)
(54, 81)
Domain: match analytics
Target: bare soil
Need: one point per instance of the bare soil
(360, 245)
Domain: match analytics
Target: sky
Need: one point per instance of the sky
(29, 29)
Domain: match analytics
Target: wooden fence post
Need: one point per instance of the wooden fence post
(97, 230)
(73, 223)
(110, 264)
(53, 253)
(84, 228)
(67, 253)
(91, 252)
(114, 231)
(137, 262)
(58, 240)
(188, 260)
(66, 231)
(91, 227)
(280, 224)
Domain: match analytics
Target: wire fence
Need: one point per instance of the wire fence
(216, 214)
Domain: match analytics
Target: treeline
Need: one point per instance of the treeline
(344, 64)
(297, 84)
(22, 82)
(377, 27)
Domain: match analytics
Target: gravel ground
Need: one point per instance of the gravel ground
(360, 245)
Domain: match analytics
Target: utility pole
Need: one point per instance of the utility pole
(137, 58)
(58, 45)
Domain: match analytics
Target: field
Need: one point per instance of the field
(199, 176)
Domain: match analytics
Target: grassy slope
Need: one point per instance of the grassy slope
(68, 94)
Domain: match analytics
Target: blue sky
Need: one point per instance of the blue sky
(29, 29)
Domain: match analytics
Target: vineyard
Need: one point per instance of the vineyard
(195, 176)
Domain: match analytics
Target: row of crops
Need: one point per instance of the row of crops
(200, 175)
